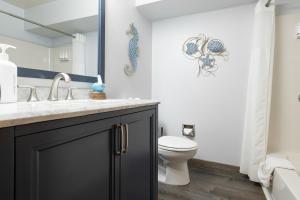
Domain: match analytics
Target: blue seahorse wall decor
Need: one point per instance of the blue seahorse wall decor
(133, 50)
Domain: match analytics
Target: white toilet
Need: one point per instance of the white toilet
(174, 152)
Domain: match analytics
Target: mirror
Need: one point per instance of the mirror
(52, 35)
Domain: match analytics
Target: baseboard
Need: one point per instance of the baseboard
(216, 168)
(203, 163)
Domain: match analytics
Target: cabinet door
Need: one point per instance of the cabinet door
(7, 164)
(72, 163)
(138, 174)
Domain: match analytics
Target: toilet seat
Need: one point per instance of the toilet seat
(173, 143)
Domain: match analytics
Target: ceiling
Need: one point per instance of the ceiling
(162, 9)
(82, 25)
(27, 3)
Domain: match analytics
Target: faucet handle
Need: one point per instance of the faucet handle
(33, 97)
(70, 93)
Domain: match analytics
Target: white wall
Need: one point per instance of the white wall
(33, 49)
(61, 66)
(215, 105)
(285, 110)
(65, 44)
(143, 2)
(162, 9)
(91, 53)
(27, 54)
(15, 28)
(119, 14)
(35, 56)
(62, 10)
(43, 89)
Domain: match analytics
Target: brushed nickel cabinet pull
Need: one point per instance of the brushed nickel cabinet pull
(126, 138)
(118, 139)
(123, 149)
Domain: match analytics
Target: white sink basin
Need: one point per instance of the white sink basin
(72, 102)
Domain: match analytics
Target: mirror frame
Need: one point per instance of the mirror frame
(43, 74)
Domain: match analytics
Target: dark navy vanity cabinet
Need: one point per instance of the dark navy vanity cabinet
(105, 156)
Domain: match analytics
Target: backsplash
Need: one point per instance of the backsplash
(43, 89)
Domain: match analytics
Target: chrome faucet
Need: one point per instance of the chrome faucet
(53, 96)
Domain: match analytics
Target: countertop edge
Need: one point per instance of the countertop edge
(65, 115)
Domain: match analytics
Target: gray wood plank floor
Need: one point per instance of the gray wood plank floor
(212, 181)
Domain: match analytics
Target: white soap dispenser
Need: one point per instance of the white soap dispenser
(8, 77)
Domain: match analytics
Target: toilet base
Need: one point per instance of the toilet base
(173, 173)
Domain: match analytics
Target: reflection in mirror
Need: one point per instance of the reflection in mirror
(52, 35)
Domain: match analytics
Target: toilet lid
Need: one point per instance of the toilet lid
(176, 143)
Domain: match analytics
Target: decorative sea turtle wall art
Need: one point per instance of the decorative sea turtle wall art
(205, 50)
(133, 50)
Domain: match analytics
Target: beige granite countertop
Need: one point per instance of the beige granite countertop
(26, 113)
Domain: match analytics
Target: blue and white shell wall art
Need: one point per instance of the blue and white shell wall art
(133, 50)
(205, 51)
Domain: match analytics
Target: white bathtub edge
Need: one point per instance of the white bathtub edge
(267, 193)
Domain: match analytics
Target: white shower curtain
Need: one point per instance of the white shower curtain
(78, 44)
(257, 116)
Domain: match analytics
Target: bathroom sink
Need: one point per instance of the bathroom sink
(72, 103)
(79, 101)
